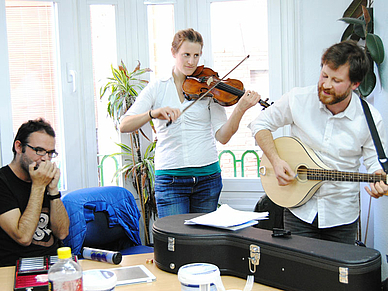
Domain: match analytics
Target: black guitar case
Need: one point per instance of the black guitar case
(288, 262)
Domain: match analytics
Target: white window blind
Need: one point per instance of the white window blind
(32, 61)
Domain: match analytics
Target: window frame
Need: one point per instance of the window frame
(132, 45)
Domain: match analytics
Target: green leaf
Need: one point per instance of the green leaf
(375, 47)
(359, 25)
(347, 33)
(369, 83)
(360, 30)
(355, 8)
(124, 87)
(353, 20)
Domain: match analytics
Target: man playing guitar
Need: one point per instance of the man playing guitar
(329, 119)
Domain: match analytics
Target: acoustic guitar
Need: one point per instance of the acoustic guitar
(310, 171)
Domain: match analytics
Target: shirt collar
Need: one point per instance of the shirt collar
(167, 75)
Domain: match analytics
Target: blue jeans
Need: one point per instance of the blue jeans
(344, 233)
(179, 195)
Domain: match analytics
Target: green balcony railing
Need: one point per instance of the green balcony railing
(241, 161)
(236, 161)
(101, 167)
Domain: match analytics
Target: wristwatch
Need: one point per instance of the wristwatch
(56, 196)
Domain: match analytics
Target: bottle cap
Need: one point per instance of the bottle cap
(64, 253)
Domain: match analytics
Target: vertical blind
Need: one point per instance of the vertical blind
(30, 33)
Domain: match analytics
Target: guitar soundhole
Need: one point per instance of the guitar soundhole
(302, 173)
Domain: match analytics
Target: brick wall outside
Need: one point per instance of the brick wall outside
(253, 72)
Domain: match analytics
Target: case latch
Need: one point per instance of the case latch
(254, 258)
(343, 275)
(171, 244)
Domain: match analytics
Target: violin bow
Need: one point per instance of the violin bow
(211, 88)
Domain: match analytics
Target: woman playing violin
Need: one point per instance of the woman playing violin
(188, 174)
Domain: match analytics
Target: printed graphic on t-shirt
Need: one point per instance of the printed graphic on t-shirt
(43, 234)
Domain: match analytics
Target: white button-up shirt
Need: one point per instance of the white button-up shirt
(190, 140)
(339, 140)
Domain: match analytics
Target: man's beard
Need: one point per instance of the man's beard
(333, 98)
(25, 163)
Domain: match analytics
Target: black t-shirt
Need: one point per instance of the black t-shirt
(15, 193)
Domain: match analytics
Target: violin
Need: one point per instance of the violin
(204, 82)
(225, 92)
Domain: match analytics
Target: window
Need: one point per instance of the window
(160, 33)
(103, 35)
(231, 42)
(32, 47)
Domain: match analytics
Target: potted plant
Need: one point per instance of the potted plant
(124, 87)
(359, 16)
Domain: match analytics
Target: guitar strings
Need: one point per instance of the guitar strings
(325, 175)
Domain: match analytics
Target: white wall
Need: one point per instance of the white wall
(320, 29)
(6, 136)
(381, 102)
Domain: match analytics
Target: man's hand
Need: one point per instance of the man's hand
(46, 173)
(284, 174)
(377, 189)
(53, 186)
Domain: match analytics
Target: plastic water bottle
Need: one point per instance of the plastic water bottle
(65, 275)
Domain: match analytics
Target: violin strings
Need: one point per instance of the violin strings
(219, 81)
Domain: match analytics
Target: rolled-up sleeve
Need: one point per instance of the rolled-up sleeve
(277, 115)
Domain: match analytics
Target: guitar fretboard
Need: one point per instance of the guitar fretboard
(332, 175)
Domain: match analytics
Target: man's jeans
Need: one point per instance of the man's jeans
(343, 233)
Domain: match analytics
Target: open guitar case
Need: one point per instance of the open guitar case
(287, 262)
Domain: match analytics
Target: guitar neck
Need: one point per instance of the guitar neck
(332, 175)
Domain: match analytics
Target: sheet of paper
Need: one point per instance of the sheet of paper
(228, 218)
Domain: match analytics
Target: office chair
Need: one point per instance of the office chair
(105, 218)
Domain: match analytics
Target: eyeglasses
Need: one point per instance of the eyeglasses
(42, 152)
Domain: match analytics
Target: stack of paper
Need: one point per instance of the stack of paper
(228, 218)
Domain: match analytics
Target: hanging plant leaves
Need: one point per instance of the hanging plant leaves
(347, 33)
(355, 8)
(359, 16)
(353, 20)
(375, 47)
(358, 25)
(360, 30)
(367, 86)
(366, 15)
(370, 24)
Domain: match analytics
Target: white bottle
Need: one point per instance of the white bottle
(65, 274)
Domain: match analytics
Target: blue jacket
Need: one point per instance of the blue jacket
(117, 202)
